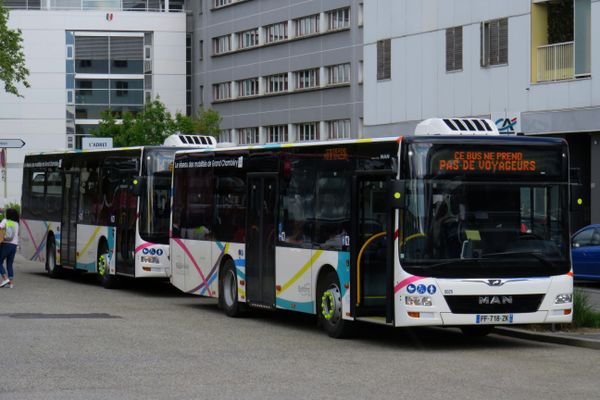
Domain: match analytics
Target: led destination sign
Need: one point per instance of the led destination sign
(488, 161)
(473, 160)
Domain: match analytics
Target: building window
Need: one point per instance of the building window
(225, 136)
(337, 74)
(494, 42)
(201, 95)
(248, 87)
(308, 78)
(307, 25)
(222, 91)
(307, 132)
(222, 44)
(248, 136)
(248, 38)
(338, 129)
(276, 32)
(222, 3)
(277, 133)
(338, 19)
(361, 14)
(276, 83)
(201, 50)
(384, 59)
(361, 71)
(454, 49)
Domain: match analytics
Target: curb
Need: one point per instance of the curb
(549, 338)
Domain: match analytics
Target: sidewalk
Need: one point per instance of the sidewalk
(589, 339)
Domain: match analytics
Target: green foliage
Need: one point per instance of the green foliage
(12, 58)
(151, 126)
(208, 122)
(16, 206)
(583, 314)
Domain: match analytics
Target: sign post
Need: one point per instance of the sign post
(4, 145)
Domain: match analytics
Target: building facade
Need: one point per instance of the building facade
(533, 66)
(279, 71)
(84, 57)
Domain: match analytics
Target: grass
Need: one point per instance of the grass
(584, 315)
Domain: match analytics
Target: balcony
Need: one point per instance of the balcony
(555, 62)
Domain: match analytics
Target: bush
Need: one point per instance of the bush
(583, 314)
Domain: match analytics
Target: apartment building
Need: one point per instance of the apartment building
(85, 56)
(532, 66)
(279, 71)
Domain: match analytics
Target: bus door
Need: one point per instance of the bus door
(68, 235)
(260, 238)
(371, 220)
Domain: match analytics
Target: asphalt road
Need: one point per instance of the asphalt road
(72, 339)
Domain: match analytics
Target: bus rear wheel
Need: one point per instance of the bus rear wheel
(228, 291)
(54, 271)
(102, 264)
(329, 307)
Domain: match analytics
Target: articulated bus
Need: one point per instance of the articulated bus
(453, 226)
(101, 211)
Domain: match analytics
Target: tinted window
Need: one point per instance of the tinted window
(585, 238)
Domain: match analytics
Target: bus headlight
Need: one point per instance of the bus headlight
(149, 259)
(418, 301)
(564, 298)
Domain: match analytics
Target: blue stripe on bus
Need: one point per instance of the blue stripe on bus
(343, 270)
(89, 267)
(305, 307)
(240, 262)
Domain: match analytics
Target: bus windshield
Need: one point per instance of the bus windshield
(155, 204)
(477, 223)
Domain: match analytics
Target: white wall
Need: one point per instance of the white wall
(420, 86)
(39, 117)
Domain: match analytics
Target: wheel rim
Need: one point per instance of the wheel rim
(102, 265)
(331, 304)
(229, 288)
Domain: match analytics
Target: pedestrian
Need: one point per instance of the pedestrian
(8, 248)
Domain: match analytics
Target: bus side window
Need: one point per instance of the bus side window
(332, 210)
(296, 214)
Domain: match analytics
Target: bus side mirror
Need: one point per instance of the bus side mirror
(139, 184)
(396, 192)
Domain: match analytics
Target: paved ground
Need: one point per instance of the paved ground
(71, 339)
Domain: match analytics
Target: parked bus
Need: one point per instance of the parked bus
(453, 226)
(82, 210)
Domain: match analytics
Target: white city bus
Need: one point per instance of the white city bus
(82, 210)
(453, 226)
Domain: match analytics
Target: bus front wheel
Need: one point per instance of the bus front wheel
(102, 264)
(228, 291)
(329, 307)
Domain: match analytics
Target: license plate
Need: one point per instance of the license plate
(494, 319)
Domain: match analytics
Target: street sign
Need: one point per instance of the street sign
(11, 143)
(95, 143)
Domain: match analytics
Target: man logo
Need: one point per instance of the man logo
(495, 282)
(495, 300)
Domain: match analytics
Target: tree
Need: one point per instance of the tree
(12, 58)
(207, 122)
(151, 126)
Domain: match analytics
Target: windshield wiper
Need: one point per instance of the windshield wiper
(453, 262)
(535, 254)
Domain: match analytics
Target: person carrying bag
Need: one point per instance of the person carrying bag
(8, 249)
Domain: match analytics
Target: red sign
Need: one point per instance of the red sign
(487, 161)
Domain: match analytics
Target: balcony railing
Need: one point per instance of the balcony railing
(555, 62)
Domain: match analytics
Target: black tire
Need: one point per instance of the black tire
(228, 291)
(477, 331)
(104, 277)
(54, 271)
(329, 307)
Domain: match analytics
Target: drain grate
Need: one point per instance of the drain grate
(60, 316)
